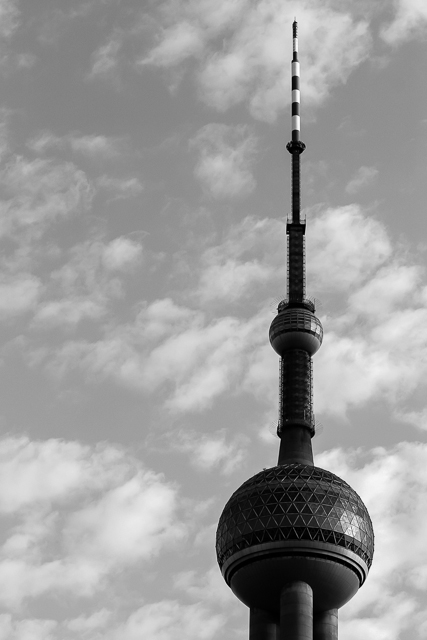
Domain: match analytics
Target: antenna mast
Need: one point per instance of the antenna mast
(295, 227)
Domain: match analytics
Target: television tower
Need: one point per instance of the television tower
(295, 542)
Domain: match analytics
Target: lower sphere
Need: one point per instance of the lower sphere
(295, 522)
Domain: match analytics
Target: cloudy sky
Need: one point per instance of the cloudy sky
(144, 188)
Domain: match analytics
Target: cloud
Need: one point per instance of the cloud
(26, 629)
(38, 192)
(121, 187)
(55, 21)
(140, 512)
(225, 160)
(121, 254)
(392, 484)
(205, 587)
(363, 177)
(95, 145)
(417, 419)
(390, 604)
(195, 358)
(213, 451)
(53, 471)
(249, 66)
(375, 343)
(248, 260)
(160, 620)
(180, 41)
(86, 624)
(85, 285)
(393, 285)
(345, 247)
(105, 59)
(165, 620)
(77, 513)
(92, 146)
(183, 30)
(18, 294)
(409, 21)
(9, 18)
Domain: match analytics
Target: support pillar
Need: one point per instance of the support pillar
(262, 625)
(325, 625)
(296, 612)
(295, 445)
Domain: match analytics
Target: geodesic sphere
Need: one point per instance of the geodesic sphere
(295, 522)
(296, 328)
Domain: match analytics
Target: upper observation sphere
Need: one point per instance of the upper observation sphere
(295, 522)
(295, 327)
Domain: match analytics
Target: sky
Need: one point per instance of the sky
(144, 190)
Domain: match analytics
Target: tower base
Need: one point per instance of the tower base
(297, 620)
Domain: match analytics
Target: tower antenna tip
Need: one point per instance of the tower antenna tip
(295, 28)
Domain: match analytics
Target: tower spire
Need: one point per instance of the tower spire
(295, 84)
(296, 333)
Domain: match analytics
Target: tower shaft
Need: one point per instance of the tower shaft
(296, 333)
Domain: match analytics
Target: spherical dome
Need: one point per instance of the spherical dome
(295, 522)
(296, 328)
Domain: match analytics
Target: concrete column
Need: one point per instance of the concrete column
(262, 625)
(296, 612)
(325, 625)
(295, 445)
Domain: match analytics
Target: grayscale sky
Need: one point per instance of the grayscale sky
(144, 187)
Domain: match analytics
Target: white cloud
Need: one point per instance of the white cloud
(92, 146)
(18, 294)
(128, 523)
(38, 192)
(121, 254)
(363, 177)
(393, 485)
(53, 471)
(417, 419)
(79, 513)
(344, 247)
(92, 278)
(255, 42)
(9, 18)
(44, 141)
(55, 21)
(392, 286)
(225, 161)
(95, 145)
(180, 41)
(105, 59)
(121, 187)
(208, 586)
(26, 629)
(69, 312)
(95, 621)
(212, 451)
(375, 343)
(168, 619)
(409, 20)
(249, 257)
(195, 358)
(187, 28)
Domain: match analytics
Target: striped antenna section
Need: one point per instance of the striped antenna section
(296, 124)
